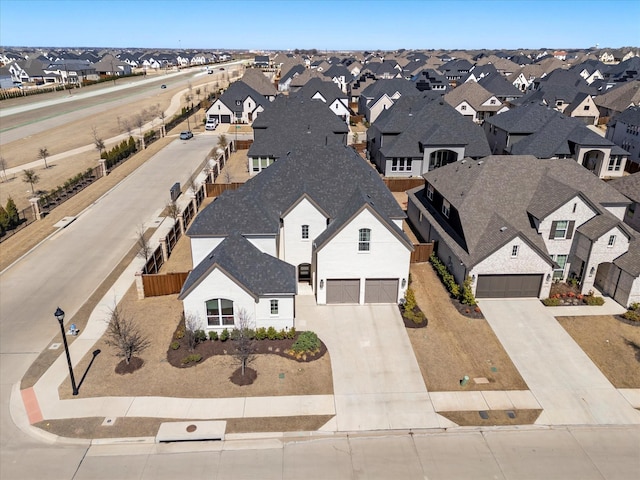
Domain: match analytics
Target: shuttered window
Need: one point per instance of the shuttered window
(562, 229)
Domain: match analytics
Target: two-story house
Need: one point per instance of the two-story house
(319, 216)
(472, 100)
(238, 104)
(515, 224)
(421, 133)
(624, 131)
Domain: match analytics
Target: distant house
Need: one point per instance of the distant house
(285, 80)
(618, 99)
(72, 72)
(419, 134)
(381, 95)
(328, 93)
(260, 83)
(624, 131)
(261, 61)
(111, 66)
(291, 123)
(514, 224)
(534, 129)
(238, 104)
(472, 100)
(629, 186)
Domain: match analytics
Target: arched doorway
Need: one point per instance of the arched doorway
(440, 158)
(592, 161)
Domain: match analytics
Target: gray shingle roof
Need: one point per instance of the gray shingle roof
(258, 272)
(527, 118)
(630, 261)
(628, 185)
(502, 191)
(241, 91)
(329, 174)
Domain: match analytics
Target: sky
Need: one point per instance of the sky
(323, 25)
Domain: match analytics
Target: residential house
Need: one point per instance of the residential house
(238, 104)
(260, 83)
(566, 99)
(328, 93)
(289, 123)
(111, 66)
(499, 86)
(261, 61)
(624, 131)
(316, 216)
(72, 72)
(340, 75)
(286, 78)
(515, 224)
(429, 79)
(534, 129)
(381, 95)
(419, 134)
(454, 70)
(472, 100)
(629, 186)
(618, 99)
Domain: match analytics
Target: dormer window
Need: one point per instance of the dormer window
(430, 191)
(446, 208)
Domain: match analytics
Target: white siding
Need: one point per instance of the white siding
(340, 258)
(266, 244)
(201, 247)
(295, 250)
(601, 252)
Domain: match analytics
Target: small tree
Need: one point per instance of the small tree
(12, 212)
(245, 345)
(124, 336)
(172, 210)
(144, 247)
(191, 325)
(4, 220)
(227, 175)
(3, 166)
(30, 177)
(98, 142)
(43, 154)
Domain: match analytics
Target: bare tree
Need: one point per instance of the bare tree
(3, 166)
(173, 210)
(193, 185)
(243, 336)
(124, 336)
(227, 175)
(98, 142)
(191, 325)
(139, 122)
(144, 246)
(30, 176)
(223, 142)
(126, 126)
(43, 154)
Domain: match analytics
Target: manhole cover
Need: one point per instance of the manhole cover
(191, 428)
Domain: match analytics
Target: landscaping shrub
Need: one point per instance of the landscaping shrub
(551, 302)
(175, 345)
(193, 358)
(633, 315)
(224, 336)
(201, 336)
(447, 278)
(291, 334)
(593, 300)
(261, 333)
(281, 335)
(272, 333)
(467, 293)
(635, 306)
(180, 332)
(213, 335)
(306, 342)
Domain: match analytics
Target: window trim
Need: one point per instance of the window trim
(446, 208)
(304, 232)
(222, 319)
(515, 249)
(430, 191)
(612, 241)
(364, 240)
(274, 304)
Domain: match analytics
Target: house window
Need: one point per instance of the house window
(446, 208)
(492, 102)
(401, 165)
(364, 240)
(612, 241)
(561, 229)
(305, 232)
(463, 107)
(631, 209)
(514, 251)
(586, 107)
(219, 312)
(615, 163)
(575, 205)
(274, 307)
(561, 260)
(430, 191)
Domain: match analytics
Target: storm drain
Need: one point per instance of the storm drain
(191, 431)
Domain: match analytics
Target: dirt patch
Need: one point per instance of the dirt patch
(158, 318)
(124, 368)
(249, 376)
(452, 345)
(91, 427)
(493, 417)
(613, 346)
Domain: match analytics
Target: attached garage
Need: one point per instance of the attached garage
(378, 290)
(225, 118)
(343, 291)
(508, 286)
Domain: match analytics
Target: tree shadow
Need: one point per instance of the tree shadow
(635, 346)
(95, 354)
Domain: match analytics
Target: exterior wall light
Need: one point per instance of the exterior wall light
(404, 282)
(321, 283)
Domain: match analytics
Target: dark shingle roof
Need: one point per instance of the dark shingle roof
(241, 91)
(527, 118)
(258, 272)
(630, 261)
(502, 191)
(629, 186)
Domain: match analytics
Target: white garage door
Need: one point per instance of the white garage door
(381, 290)
(343, 291)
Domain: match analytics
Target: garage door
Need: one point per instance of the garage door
(343, 291)
(508, 286)
(225, 118)
(378, 290)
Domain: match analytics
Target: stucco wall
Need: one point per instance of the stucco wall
(601, 253)
(201, 247)
(582, 214)
(294, 249)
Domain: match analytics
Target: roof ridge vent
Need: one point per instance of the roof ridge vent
(502, 229)
(480, 162)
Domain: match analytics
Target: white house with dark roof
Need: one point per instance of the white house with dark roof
(515, 224)
(238, 104)
(319, 216)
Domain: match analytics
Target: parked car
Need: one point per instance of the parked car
(211, 125)
(163, 86)
(186, 135)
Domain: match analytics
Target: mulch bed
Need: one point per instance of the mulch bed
(627, 321)
(409, 323)
(467, 310)
(209, 348)
(248, 378)
(134, 364)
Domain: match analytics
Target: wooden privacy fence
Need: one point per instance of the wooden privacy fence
(156, 285)
(242, 144)
(403, 184)
(421, 252)
(217, 189)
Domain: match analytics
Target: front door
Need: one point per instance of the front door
(304, 272)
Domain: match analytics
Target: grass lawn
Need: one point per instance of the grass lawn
(612, 345)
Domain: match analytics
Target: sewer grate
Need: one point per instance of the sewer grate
(483, 414)
(511, 414)
(54, 346)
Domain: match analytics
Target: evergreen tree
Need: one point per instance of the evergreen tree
(12, 212)
(4, 219)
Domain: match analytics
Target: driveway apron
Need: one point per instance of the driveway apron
(566, 383)
(376, 379)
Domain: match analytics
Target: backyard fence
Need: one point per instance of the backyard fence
(421, 252)
(403, 184)
(217, 189)
(156, 285)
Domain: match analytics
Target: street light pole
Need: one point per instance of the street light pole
(59, 314)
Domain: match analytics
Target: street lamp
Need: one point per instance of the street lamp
(60, 316)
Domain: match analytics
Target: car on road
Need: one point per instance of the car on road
(163, 86)
(186, 135)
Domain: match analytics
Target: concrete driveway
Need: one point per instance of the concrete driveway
(376, 379)
(566, 383)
